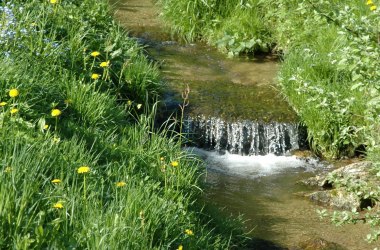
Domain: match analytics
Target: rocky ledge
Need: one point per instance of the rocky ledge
(340, 188)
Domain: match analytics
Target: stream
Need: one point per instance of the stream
(246, 129)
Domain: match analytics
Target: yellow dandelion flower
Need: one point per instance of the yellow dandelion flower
(139, 106)
(2, 104)
(373, 7)
(14, 111)
(121, 184)
(13, 93)
(174, 163)
(180, 247)
(56, 181)
(58, 205)
(369, 2)
(46, 127)
(95, 53)
(56, 112)
(189, 232)
(83, 170)
(95, 76)
(105, 64)
(53, 1)
(8, 170)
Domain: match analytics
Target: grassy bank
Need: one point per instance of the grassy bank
(81, 165)
(233, 26)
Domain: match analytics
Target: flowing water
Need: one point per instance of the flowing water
(236, 110)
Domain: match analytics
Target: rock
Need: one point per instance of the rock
(337, 198)
(318, 244)
(359, 170)
(336, 195)
(316, 181)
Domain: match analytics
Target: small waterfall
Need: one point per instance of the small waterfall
(244, 137)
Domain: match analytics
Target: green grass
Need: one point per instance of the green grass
(233, 26)
(132, 197)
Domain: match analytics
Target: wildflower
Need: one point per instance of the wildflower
(139, 106)
(56, 139)
(180, 247)
(58, 205)
(95, 53)
(14, 111)
(56, 181)
(56, 112)
(121, 184)
(162, 158)
(83, 170)
(369, 2)
(46, 127)
(105, 64)
(174, 163)
(373, 7)
(95, 76)
(129, 102)
(8, 170)
(53, 1)
(13, 93)
(189, 232)
(2, 104)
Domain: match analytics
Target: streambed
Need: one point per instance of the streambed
(263, 188)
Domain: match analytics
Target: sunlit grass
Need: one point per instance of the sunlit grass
(82, 165)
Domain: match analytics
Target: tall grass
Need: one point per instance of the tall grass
(233, 26)
(94, 174)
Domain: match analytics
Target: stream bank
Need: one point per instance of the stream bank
(240, 89)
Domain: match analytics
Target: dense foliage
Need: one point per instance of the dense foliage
(81, 165)
(234, 26)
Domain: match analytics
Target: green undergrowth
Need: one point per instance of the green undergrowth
(234, 26)
(82, 166)
(329, 72)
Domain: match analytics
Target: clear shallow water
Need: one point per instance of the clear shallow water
(241, 88)
(264, 189)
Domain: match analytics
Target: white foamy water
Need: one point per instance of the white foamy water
(254, 166)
